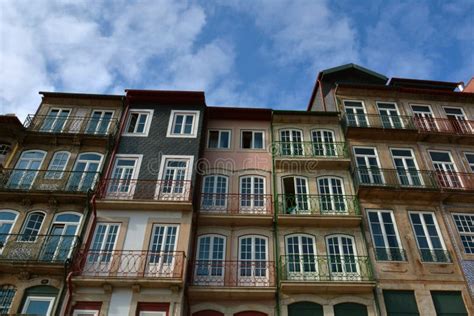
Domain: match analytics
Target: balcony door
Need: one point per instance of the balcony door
(55, 120)
(62, 238)
(85, 172)
(331, 192)
(424, 118)
(252, 190)
(214, 193)
(161, 255)
(445, 170)
(291, 142)
(175, 182)
(323, 143)
(389, 115)
(101, 254)
(458, 120)
(368, 165)
(343, 263)
(99, 122)
(407, 169)
(253, 261)
(26, 169)
(124, 175)
(301, 261)
(7, 220)
(428, 237)
(295, 195)
(210, 265)
(355, 114)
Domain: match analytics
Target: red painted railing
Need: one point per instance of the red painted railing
(455, 180)
(444, 125)
(232, 204)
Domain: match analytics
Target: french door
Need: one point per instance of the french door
(26, 170)
(368, 166)
(424, 118)
(101, 254)
(99, 122)
(295, 196)
(173, 184)
(60, 242)
(331, 191)
(210, 265)
(301, 260)
(389, 115)
(253, 266)
(342, 258)
(355, 114)
(85, 172)
(161, 254)
(55, 120)
(445, 170)
(291, 142)
(252, 190)
(323, 143)
(407, 170)
(214, 193)
(123, 184)
(458, 119)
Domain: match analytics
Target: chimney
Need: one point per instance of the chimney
(470, 86)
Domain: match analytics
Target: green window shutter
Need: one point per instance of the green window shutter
(400, 303)
(350, 309)
(448, 303)
(305, 309)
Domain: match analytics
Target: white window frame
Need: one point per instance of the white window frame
(253, 131)
(55, 120)
(258, 280)
(214, 195)
(8, 221)
(363, 109)
(413, 156)
(463, 233)
(396, 109)
(219, 138)
(302, 274)
(332, 195)
(58, 171)
(133, 183)
(30, 298)
(194, 129)
(384, 233)
(426, 234)
(152, 313)
(187, 176)
(471, 165)
(25, 221)
(344, 275)
(252, 208)
(456, 170)
(101, 119)
(377, 158)
(90, 312)
(65, 223)
(146, 129)
(215, 279)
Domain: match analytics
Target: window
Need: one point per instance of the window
(407, 169)
(57, 165)
(138, 123)
(152, 309)
(323, 143)
(342, 257)
(355, 114)
(252, 140)
(465, 226)
(4, 150)
(26, 169)
(214, 193)
(301, 261)
(448, 303)
(38, 305)
(87, 308)
(56, 119)
(124, 176)
(445, 169)
(458, 120)
(331, 191)
(32, 226)
(389, 115)
(175, 176)
(183, 124)
(85, 312)
(7, 220)
(400, 303)
(103, 243)
(252, 198)
(470, 160)
(99, 122)
(210, 266)
(428, 238)
(291, 142)
(368, 165)
(352, 309)
(253, 261)
(387, 244)
(162, 250)
(62, 237)
(85, 172)
(219, 139)
(295, 195)
(7, 292)
(424, 118)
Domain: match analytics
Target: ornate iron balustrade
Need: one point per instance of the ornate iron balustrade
(444, 125)
(233, 204)
(379, 121)
(47, 180)
(390, 254)
(224, 273)
(130, 264)
(448, 180)
(310, 150)
(395, 178)
(435, 255)
(312, 268)
(55, 249)
(306, 204)
(135, 189)
(85, 125)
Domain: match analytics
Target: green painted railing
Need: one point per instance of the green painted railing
(310, 150)
(306, 204)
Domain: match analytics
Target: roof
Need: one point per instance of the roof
(10, 120)
(242, 114)
(423, 84)
(80, 95)
(166, 97)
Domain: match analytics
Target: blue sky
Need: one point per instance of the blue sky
(254, 53)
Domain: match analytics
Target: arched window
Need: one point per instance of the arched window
(295, 195)
(300, 259)
(57, 165)
(342, 257)
(39, 300)
(291, 142)
(210, 267)
(32, 226)
(252, 194)
(7, 292)
(7, 220)
(62, 237)
(253, 257)
(331, 191)
(323, 143)
(26, 169)
(85, 172)
(214, 193)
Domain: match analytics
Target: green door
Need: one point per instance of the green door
(448, 303)
(400, 303)
(350, 309)
(305, 309)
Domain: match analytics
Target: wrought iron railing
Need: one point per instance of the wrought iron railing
(312, 268)
(310, 149)
(47, 180)
(458, 181)
(135, 189)
(379, 121)
(435, 255)
(444, 125)
(37, 248)
(130, 264)
(236, 204)
(224, 273)
(395, 178)
(390, 254)
(87, 125)
(306, 204)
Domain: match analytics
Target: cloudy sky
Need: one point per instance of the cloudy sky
(258, 53)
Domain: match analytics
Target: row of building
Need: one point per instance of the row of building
(154, 204)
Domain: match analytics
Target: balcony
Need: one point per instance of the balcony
(326, 274)
(235, 209)
(380, 127)
(445, 130)
(435, 256)
(390, 254)
(36, 252)
(218, 279)
(72, 125)
(291, 155)
(148, 268)
(41, 183)
(318, 210)
(151, 194)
